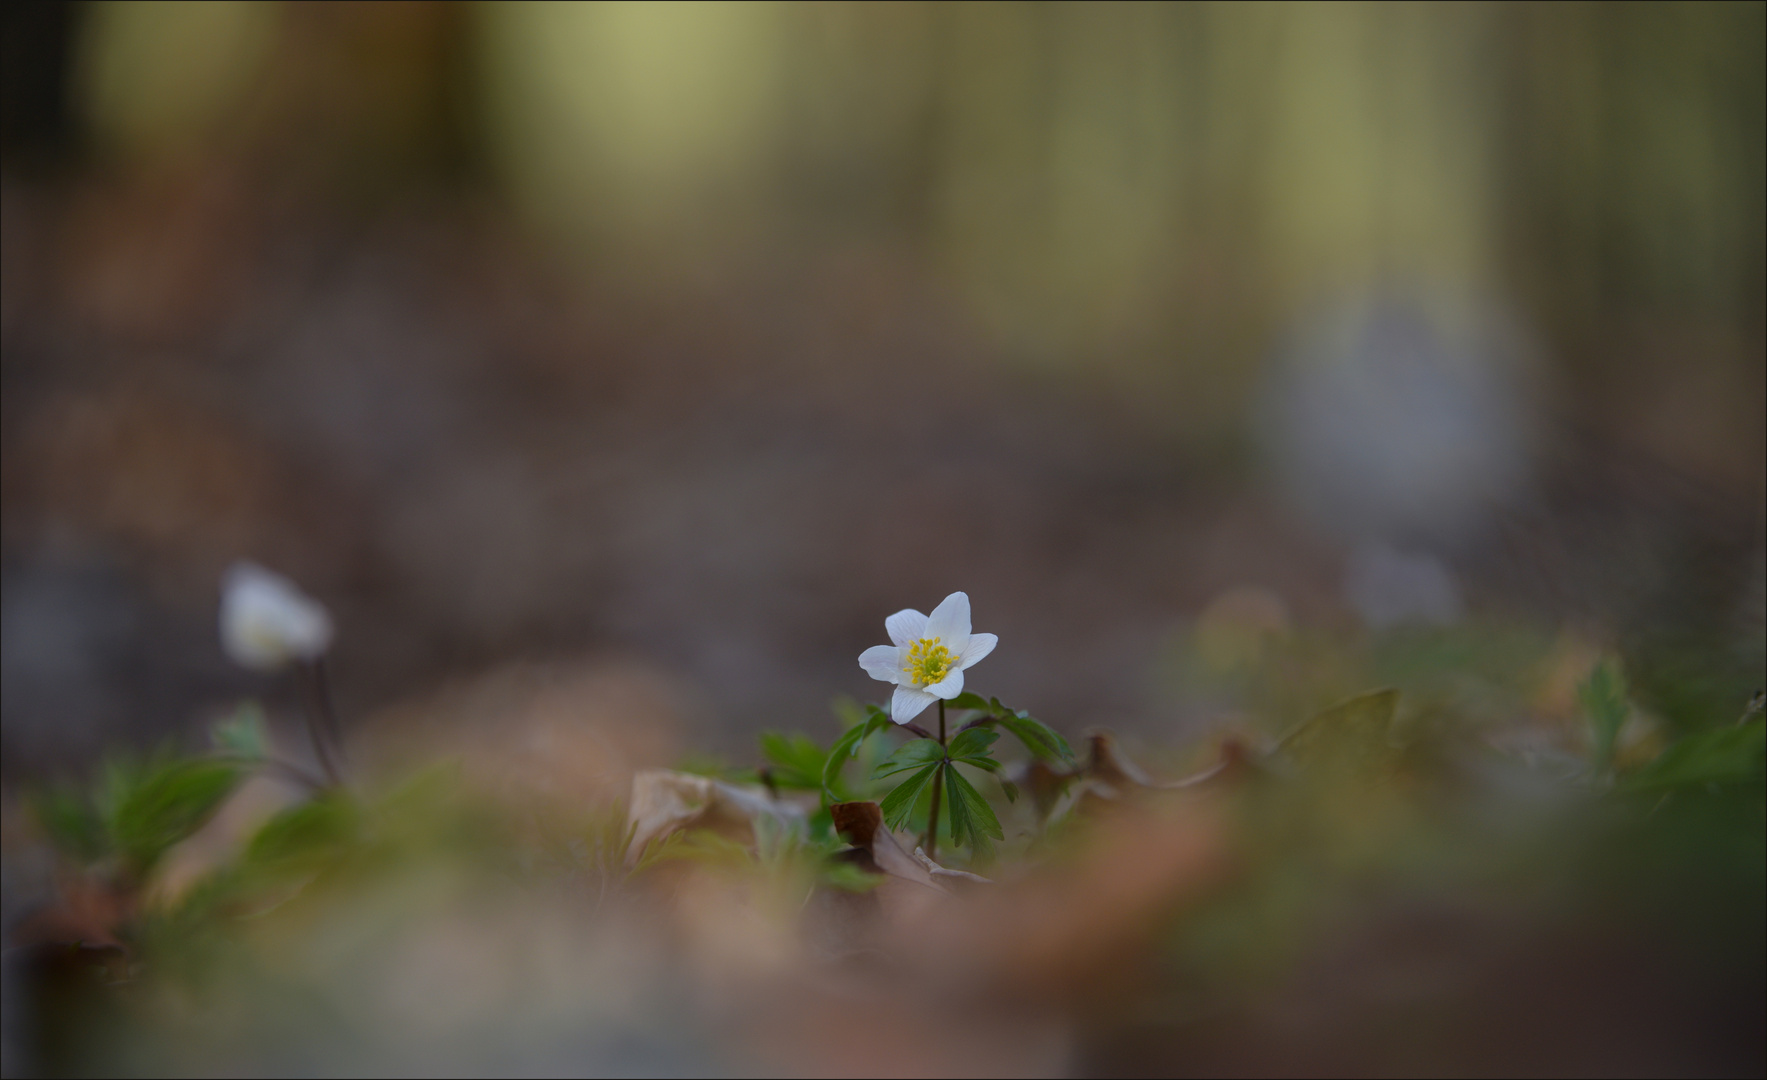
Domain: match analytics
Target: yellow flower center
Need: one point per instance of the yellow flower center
(928, 662)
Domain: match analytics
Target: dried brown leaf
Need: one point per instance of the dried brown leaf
(664, 800)
(947, 873)
(861, 823)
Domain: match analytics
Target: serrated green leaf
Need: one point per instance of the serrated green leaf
(1040, 739)
(1726, 755)
(972, 819)
(973, 742)
(1603, 697)
(910, 755)
(898, 805)
(170, 804)
(956, 813)
(243, 735)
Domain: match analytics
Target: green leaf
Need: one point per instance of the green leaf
(167, 806)
(313, 831)
(1603, 696)
(74, 826)
(910, 755)
(797, 761)
(1040, 739)
(972, 819)
(1010, 788)
(898, 805)
(847, 878)
(847, 746)
(847, 711)
(1353, 733)
(1710, 757)
(695, 845)
(843, 748)
(242, 735)
(973, 742)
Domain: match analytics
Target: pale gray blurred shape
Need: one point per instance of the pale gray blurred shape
(64, 632)
(1401, 414)
(1389, 587)
(89, 658)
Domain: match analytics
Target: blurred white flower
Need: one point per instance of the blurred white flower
(267, 622)
(929, 656)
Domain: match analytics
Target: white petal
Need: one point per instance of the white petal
(949, 622)
(908, 704)
(266, 621)
(980, 645)
(948, 687)
(906, 627)
(882, 662)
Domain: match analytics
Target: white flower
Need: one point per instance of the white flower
(929, 656)
(266, 622)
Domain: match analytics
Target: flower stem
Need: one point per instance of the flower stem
(322, 722)
(932, 815)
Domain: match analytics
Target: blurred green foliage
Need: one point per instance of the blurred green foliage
(137, 809)
(244, 735)
(1353, 828)
(1603, 696)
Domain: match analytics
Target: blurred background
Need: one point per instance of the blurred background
(669, 348)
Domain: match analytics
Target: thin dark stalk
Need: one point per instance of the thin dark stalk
(327, 710)
(296, 773)
(287, 768)
(321, 720)
(932, 816)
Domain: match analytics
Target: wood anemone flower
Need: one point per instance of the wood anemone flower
(267, 623)
(929, 655)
